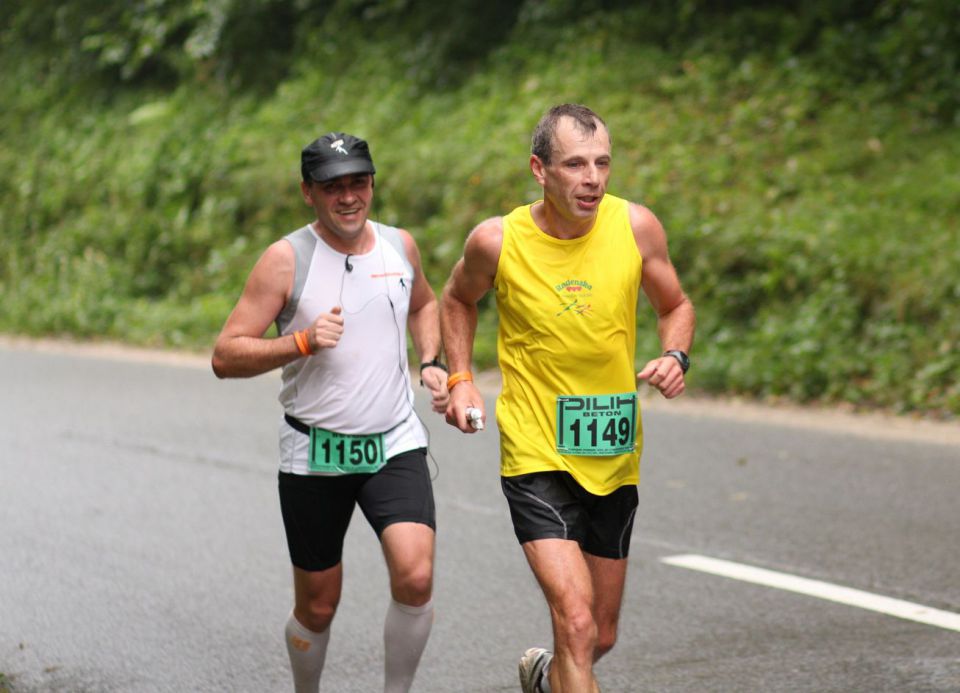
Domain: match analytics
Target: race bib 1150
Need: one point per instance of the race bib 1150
(344, 453)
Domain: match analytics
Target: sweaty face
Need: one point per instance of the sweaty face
(576, 178)
(341, 204)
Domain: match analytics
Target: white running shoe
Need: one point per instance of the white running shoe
(532, 664)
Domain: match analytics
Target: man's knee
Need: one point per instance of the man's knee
(316, 614)
(414, 585)
(605, 643)
(606, 634)
(577, 628)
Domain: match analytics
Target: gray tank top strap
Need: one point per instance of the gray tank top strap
(391, 234)
(303, 240)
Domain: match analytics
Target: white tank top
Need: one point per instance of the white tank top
(362, 385)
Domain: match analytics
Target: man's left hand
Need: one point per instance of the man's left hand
(435, 380)
(665, 374)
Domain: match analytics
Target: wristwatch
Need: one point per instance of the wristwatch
(679, 356)
(435, 363)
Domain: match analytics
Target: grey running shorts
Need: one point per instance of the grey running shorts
(317, 509)
(552, 505)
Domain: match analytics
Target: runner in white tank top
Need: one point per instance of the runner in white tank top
(363, 385)
(343, 292)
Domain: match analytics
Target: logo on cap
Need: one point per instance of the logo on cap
(338, 145)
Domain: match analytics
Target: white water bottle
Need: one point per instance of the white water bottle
(475, 418)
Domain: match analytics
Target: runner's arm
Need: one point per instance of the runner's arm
(241, 350)
(676, 319)
(423, 321)
(471, 278)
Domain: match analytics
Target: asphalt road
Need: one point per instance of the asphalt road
(141, 547)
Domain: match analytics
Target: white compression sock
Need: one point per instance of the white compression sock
(405, 633)
(307, 651)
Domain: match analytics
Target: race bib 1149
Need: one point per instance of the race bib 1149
(598, 425)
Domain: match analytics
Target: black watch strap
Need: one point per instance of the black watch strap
(681, 358)
(435, 363)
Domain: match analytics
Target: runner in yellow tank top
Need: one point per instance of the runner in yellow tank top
(568, 327)
(567, 271)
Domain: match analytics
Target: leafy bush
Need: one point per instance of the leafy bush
(804, 162)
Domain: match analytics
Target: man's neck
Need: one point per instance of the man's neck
(545, 216)
(362, 243)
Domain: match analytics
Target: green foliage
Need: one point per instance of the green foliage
(804, 162)
(910, 47)
(159, 42)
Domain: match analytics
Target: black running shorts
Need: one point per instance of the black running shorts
(552, 505)
(317, 509)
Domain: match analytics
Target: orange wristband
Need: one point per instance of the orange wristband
(459, 377)
(303, 344)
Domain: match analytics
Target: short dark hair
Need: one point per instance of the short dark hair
(585, 120)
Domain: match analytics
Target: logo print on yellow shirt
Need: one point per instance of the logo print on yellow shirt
(573, 295)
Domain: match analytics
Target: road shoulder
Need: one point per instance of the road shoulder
(840, 419)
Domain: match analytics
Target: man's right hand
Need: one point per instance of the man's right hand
(326, 330)
(463, 396)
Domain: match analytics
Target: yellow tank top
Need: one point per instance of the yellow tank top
(567, 327)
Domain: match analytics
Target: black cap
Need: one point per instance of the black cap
(334, 155)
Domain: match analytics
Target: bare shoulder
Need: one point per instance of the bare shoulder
(481, 253)
(473, 274)
(409, 244)
(277, 256)
(485, 240)
(647, 230)
(275, 268)
(488, 232)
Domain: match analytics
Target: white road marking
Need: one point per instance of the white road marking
(817, 588)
